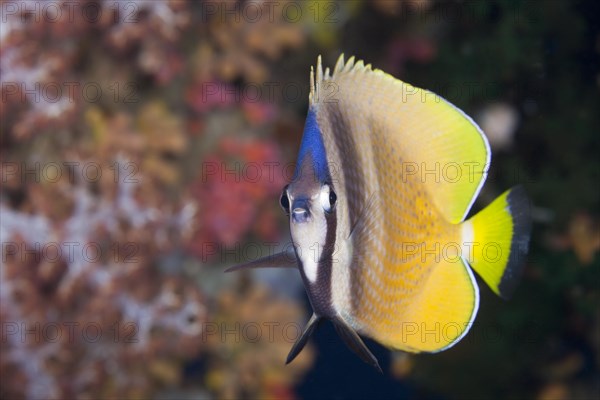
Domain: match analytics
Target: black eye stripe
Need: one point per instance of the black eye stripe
(284, 200)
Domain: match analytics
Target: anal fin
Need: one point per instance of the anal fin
(355, 343)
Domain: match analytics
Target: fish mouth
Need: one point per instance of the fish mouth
(300, 212)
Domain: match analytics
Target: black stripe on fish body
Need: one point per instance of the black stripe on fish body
(347, 150)
(319, 292)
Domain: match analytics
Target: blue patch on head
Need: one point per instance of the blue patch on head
(312, 143)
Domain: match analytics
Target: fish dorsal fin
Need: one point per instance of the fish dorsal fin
(433, 141)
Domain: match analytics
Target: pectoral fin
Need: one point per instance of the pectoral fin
(285, 259)
(301, 342)
(369, 215)
(355, 343)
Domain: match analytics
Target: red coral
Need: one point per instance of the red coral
(234, 188)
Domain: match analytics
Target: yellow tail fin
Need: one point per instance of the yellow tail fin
(495, 241)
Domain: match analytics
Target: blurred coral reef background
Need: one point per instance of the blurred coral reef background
(144, 145)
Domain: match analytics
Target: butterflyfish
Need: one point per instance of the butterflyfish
(385, 176)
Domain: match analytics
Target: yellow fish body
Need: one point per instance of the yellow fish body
(385, 178)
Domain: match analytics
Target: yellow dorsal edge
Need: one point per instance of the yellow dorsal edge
(453, 201)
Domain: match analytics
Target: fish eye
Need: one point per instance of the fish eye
(284, 200)
(328, 198)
